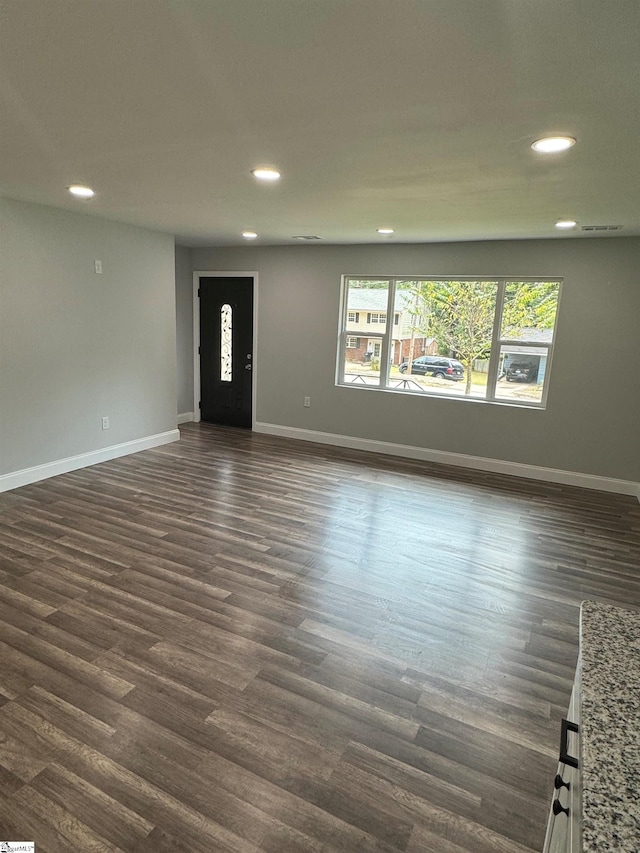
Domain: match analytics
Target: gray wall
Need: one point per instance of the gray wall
(75, 346)
(592, 421)
(184, 329)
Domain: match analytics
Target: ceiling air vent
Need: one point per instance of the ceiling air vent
(306, 237)
(602, 227)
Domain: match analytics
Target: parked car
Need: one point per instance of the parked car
(435, 365)
(522, 371)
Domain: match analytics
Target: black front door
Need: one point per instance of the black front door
(226, 350)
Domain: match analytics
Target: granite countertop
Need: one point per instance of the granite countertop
(610, 728)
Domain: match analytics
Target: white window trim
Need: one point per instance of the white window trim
(496, 341)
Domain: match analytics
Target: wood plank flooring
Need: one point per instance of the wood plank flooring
(242, 643)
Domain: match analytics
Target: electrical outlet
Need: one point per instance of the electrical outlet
(307, 402)
(105, 423)
(99, 267)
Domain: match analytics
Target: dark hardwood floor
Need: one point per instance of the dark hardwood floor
(242, 643)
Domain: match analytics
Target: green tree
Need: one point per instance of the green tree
(529, 305)
(461, 315)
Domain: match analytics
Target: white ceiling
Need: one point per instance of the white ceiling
(418, 114)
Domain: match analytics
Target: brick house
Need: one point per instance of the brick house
(367, 315)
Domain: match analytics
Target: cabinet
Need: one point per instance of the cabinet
(563, 828)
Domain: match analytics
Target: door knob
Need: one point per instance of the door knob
(558, 808)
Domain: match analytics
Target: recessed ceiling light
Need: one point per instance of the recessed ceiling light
(80, 191)
(553, 144)
(249, 235)
(386, 231)
(266, 174)
(566, 223)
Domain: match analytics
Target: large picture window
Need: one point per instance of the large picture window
(478, 339)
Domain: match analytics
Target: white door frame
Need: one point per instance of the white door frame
(197, 275)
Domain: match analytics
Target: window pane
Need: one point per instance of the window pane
(367, 306)
(529, 312)
(521, 374)
(410, 335)
(226, 330)
(442, 340)
(366, 323)
(361, 364)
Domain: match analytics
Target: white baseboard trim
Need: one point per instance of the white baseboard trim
(185, 418)
(83, 460)
(480, 463)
